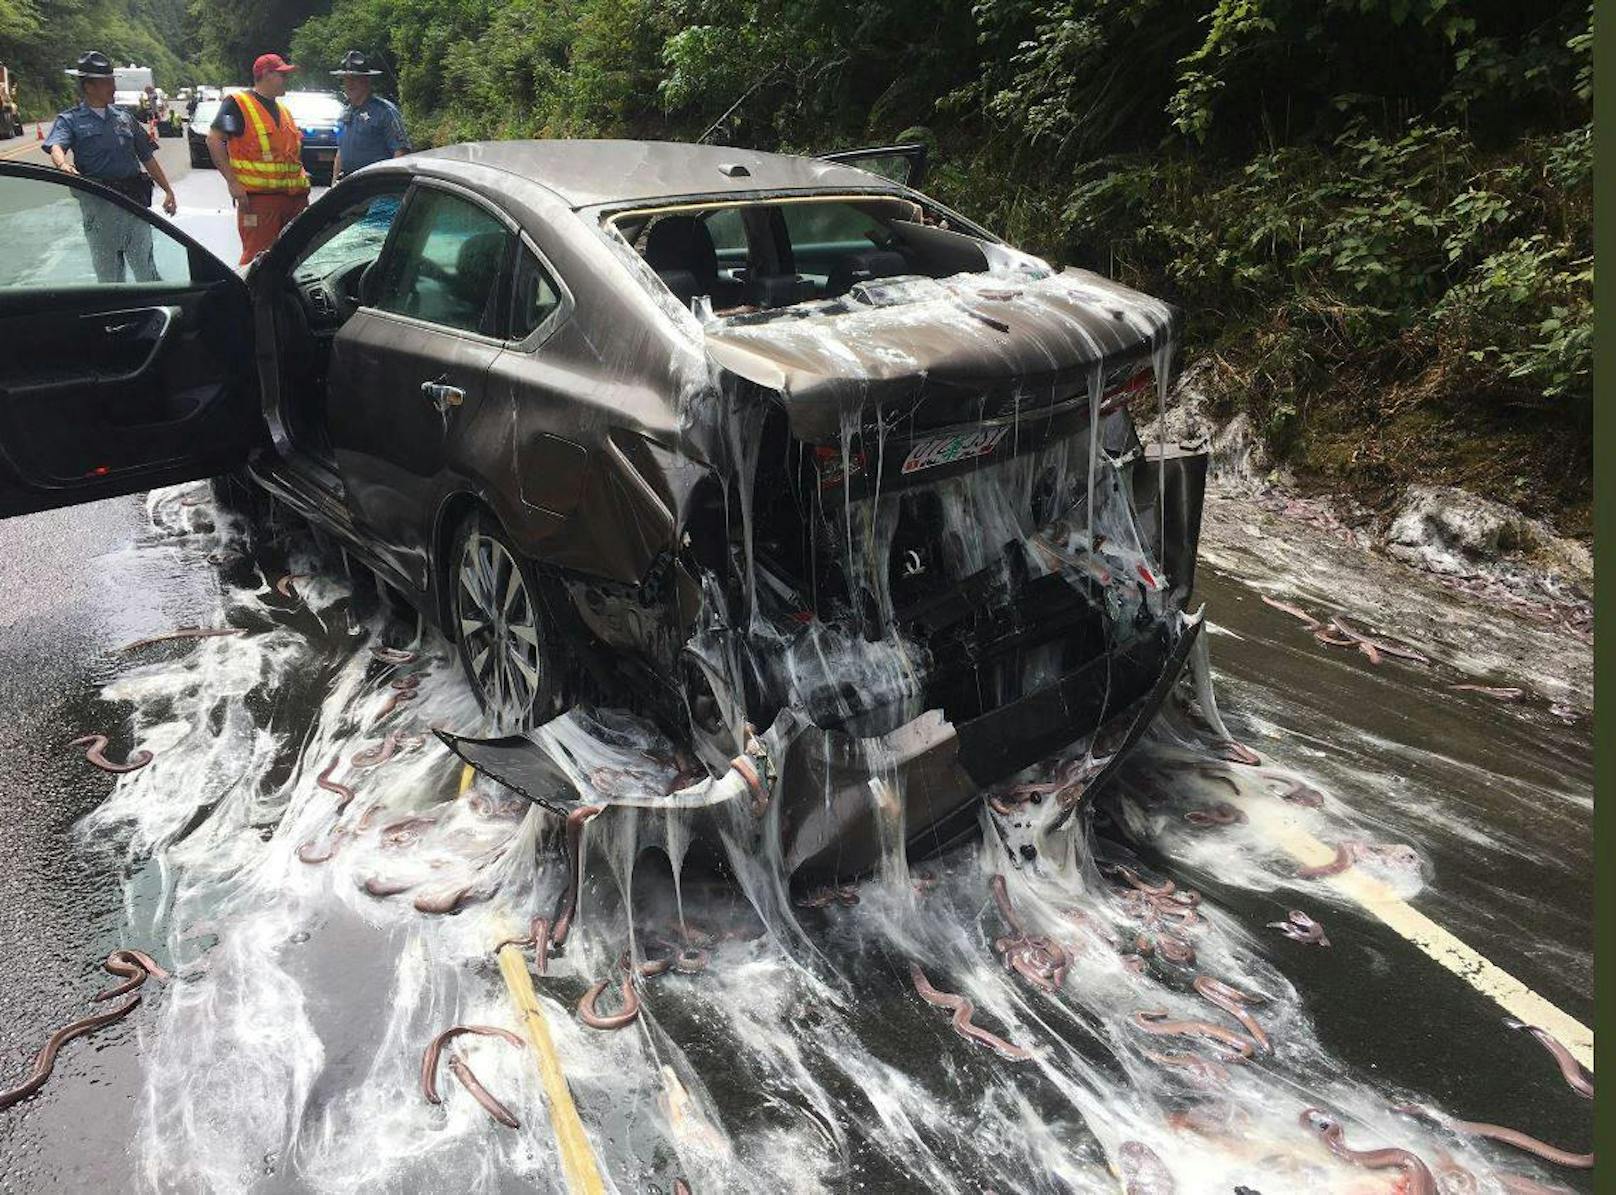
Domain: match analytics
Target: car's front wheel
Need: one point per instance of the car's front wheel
(507, 649)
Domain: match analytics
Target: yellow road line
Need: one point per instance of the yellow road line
(16, 152)
(578, 1162)
(1434, 941)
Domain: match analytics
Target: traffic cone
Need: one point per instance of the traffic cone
(39, 131)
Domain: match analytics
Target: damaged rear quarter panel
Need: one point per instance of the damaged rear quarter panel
(543, 456)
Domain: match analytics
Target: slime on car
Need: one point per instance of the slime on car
(822, 480)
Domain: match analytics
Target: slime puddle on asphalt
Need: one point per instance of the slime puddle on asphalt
(302, 854)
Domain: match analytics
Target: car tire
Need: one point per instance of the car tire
(508, 649)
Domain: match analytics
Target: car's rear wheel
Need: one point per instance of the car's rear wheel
(507, 649)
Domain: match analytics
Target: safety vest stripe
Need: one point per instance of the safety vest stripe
(248, 166)
(256, 117)
(277, 178)
(276, 184)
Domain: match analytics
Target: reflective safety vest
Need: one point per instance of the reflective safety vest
(267, 156)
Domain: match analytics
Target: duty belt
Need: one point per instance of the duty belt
(136, 186)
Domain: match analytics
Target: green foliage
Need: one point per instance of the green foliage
(39, 39)
(1420, 242)
(470, 69)
(1366, 205)
(227, 37)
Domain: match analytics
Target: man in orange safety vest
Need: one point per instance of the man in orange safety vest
(257, 146)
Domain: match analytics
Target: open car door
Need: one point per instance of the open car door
(126, 355)
(904, 164)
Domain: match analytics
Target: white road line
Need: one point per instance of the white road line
(1437, 943)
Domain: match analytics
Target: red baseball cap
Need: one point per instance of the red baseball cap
(265, 63)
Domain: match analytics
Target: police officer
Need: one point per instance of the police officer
(370, 129)
(109, 147)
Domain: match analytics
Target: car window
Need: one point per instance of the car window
(534, 296)
(897, 167)
(727, 230)
(57, 235)
(308, 106)
(206, 111)
(356, 235)
(446, 264)
(820, 226)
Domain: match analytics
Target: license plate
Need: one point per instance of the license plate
(946, 450)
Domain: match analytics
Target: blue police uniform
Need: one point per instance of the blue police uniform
(372, 132)
(105, 147)
(110, 149)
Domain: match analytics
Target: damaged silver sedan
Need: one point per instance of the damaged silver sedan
(826, 484)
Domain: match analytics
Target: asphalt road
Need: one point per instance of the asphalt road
(1498, 798)
(72, 594)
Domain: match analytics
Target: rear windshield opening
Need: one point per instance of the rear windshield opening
(764, 257)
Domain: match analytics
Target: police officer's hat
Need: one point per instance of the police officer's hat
(92, 65)
(355, 63)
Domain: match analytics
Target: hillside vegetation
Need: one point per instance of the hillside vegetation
(1376, 213)
(39, 39)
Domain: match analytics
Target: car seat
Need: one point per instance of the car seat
(682, 244)
(475, 274)
(862, 266)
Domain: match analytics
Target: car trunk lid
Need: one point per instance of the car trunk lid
(975, 349)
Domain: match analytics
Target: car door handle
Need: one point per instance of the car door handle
(146, 329)
(443, 396)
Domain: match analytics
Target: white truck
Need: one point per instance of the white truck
(131, 83)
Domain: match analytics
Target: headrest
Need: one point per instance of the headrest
(779, 290)
(681, 243)
(477, 265)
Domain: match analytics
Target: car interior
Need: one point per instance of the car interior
(749, 258)
(326, 284)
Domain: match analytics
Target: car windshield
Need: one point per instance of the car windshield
(357, 236)
(806, 254)
(309, 107)
(205, 112)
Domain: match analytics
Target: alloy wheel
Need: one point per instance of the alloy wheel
(499, 631)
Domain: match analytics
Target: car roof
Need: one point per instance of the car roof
(588, 173)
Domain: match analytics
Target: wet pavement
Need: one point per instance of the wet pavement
(277, 1059)
(205, 212)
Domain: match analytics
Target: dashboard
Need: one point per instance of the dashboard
(330, 295)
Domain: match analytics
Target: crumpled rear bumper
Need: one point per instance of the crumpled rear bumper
(829, 822)
(830, 784)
